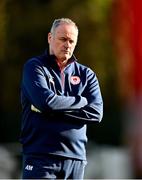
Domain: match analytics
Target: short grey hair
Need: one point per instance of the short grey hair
(60, 21)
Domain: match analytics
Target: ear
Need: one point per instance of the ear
(49, 37)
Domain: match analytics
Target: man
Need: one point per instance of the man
(59, 97)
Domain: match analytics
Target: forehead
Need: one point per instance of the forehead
(66, 30)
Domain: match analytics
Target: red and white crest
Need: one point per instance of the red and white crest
(75, 80)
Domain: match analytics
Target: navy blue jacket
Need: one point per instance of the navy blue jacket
(57, 105)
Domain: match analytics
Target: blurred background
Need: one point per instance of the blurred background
(110, 42)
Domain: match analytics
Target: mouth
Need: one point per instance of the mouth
(66, 52)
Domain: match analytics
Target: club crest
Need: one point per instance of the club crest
(75, 80)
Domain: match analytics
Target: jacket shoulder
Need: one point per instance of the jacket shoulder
(35, 59)
(84, 68)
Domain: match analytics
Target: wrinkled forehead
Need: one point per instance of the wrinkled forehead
(67, 30)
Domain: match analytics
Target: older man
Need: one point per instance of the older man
(59, 98)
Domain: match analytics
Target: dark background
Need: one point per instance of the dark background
(24, 29)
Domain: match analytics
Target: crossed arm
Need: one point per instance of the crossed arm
(88, 107)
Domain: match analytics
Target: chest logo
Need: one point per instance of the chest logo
(75, 80)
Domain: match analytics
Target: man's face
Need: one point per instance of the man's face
(62, 43)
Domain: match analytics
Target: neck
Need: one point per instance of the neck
(61, 63)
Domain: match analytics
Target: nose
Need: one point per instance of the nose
(67, 44)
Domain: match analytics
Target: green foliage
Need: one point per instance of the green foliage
(23, 30)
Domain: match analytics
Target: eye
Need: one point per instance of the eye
(71, 41)
(63, 39)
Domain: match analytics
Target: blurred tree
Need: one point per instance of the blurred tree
(27, 24)
(3, 20)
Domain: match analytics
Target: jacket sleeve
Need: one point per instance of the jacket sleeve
(36, 87)
(93, 111)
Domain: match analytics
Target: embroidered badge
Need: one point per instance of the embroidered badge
(75, 80)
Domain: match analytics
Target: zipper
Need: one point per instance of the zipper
(62, 78)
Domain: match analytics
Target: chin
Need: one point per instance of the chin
(65, 58)
(68, 56)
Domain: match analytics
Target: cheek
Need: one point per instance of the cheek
(72, 48)
(54, 47)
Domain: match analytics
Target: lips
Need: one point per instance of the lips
(66, 52)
